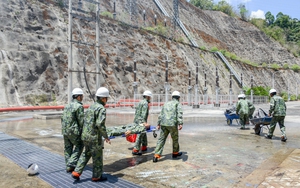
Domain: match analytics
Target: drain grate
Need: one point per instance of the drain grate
(51, 166)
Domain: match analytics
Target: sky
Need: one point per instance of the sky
(258, 8)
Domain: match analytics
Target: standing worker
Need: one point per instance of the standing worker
(93, 131)
(242, 110)
(278, 111)
(170, 121)
(72, 122)
(141, 117)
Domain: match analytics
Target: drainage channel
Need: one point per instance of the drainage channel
(51, 166)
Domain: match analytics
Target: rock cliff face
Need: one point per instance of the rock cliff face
(34, 52)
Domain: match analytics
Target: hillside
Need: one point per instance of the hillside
(34, 51)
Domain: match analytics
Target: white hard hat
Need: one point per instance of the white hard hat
(240, 96)
(272, 91)
(102, 92)
(33, 169)
(77, 91)
(147, 93)
(243, 95)
(176, 93)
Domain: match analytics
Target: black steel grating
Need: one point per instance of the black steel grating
(52, 166)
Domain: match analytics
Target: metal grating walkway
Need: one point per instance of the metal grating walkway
(51, 166)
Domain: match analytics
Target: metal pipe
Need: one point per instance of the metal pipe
(196, 104)
(230, 89)
(217, 88)
(197, 74)
(144, 16)
(166, 76)
(230, 81)
(134, 81)
(205, 82)
(166, 80)
(114, 14)
(134, 70)
(252, 88)
(190, 89)
(241, 80)
(97, 45)
(70, 64)
(205, 88)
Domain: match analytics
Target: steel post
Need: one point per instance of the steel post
(97, 45)
(70, 59)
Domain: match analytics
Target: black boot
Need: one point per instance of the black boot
(177, 155)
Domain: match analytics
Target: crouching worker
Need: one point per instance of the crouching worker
(251, 108)
(242, 109)
(93, 131)
(170, 121)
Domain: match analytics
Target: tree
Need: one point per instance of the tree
(243, 11)
(283, 21)
(225, 7)
(269, 18)
(203, 4)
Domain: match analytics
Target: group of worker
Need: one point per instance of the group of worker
(84, 133)
(277, 111)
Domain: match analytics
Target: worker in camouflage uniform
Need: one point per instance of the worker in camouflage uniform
(93, 131)
(278, 113)
(251, 108)
(242, 109)
(170, 121)
(72, 122)
(141, 117)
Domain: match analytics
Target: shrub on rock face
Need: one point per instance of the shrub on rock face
(286, 66)
(295, 68)
(275, 66)
(264, 64)
(107, 14)
(214, 49)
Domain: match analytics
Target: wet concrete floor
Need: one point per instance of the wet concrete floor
(214, 153)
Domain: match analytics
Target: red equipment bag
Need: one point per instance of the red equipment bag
(131, 137)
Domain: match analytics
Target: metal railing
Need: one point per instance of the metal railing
(158, 100)
(237, 77)
(163, 10)
(181, 25)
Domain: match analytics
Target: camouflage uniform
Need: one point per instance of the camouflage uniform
(242, 110)
(169, 119)
(141, 116)
(93, 131)
(120, 130)
(72, 122)
(278, 108)
(251, 109)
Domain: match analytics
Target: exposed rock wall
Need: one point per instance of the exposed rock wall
(34, 53)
